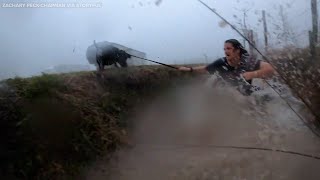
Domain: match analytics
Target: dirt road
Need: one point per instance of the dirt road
(179, 136)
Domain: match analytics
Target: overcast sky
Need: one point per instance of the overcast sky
(174, 31)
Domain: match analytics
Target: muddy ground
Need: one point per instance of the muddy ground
(196, 132)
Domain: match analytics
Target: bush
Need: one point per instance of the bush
(54, 125)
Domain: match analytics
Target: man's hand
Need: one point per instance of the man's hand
(250, 75)
(184, 68)
(197, 69)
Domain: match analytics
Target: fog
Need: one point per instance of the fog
(184, 134)
(170, 31)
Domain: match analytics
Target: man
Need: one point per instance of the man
(236, 63)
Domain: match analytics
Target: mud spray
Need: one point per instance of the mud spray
(175, 137)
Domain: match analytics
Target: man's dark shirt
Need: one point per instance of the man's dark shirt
(231, 74)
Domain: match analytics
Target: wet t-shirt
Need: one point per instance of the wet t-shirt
(231, 74)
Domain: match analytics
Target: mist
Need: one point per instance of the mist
(184, 134)
(176, 32)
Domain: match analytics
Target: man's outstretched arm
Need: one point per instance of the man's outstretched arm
(200, 69)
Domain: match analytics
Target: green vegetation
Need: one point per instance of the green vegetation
(302, 73)
(52, 126)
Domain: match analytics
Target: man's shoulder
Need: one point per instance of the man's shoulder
(212, 67)
(219, 61)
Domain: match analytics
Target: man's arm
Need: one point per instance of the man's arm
(265, 71)
(200, 69)
(205, 69)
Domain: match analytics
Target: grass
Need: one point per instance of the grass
(302, 73)
(52, 126)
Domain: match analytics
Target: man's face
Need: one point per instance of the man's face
(232, 54)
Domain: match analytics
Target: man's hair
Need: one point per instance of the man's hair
(237, 45)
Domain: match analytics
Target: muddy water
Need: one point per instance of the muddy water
(179, 136)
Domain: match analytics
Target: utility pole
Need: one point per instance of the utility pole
(205, 57)
(251, 39)
(314, 20)
(245, 28)
(312, 44)
(244, 43)
(265, 31)
(243, 23)
(313, 35)
(284, 25)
